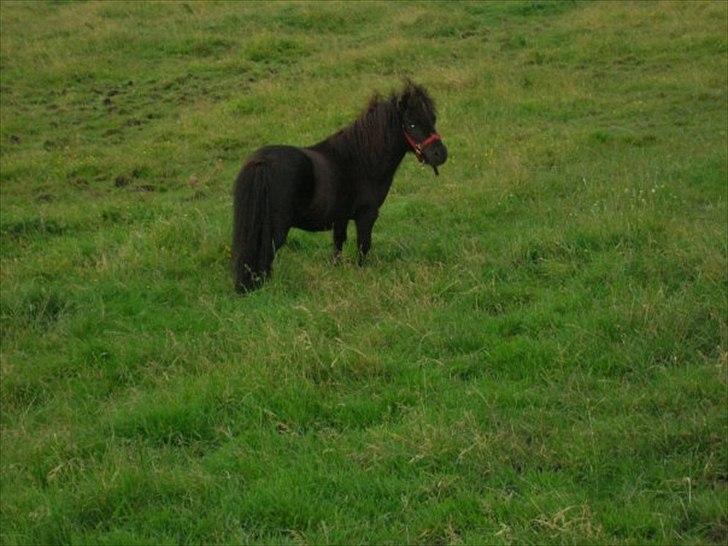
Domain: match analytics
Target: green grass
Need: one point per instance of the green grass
(535, 353)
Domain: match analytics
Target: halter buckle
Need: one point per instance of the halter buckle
(419, 147)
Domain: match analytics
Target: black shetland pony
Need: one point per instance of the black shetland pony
(344, 177)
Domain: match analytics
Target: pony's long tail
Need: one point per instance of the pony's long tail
(252, 249)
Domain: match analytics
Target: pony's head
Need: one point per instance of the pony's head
(417, 111)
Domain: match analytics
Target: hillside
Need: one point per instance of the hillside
(536, 351)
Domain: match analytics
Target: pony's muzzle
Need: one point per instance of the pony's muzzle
(436, 155)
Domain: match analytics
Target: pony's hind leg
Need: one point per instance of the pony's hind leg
(339, 238)
(280, 234)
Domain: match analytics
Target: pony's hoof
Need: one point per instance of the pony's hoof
(336, 258)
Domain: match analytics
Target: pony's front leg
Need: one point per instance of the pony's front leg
(364, 224)
(339, 238)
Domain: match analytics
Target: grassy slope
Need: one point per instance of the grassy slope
(536, 352)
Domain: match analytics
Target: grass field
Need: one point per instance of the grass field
(536, 351)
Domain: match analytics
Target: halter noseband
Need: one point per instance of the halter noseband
(419, 147)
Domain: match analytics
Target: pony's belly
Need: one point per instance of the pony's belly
(310, 224)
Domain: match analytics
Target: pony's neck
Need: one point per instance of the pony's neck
(373, 144)
(384, 163)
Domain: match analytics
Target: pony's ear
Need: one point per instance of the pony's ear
(411, 93)
(405, 96)
(402, 102)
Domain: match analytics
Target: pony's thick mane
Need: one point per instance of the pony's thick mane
(418, 95)
(371, 133)
(380, 122)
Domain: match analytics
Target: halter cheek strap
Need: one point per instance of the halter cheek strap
(419, 147)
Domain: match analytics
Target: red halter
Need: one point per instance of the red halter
(420, 147)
